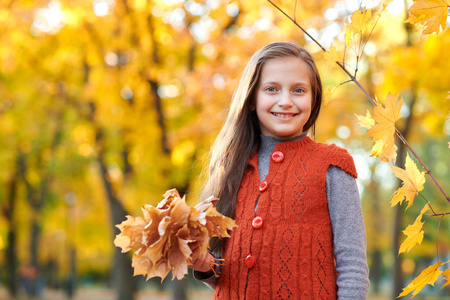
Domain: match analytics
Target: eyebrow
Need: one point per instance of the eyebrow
(277, 83)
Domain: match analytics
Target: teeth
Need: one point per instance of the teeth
(283, 115)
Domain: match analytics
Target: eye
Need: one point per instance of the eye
(299, 91)
(270, 89)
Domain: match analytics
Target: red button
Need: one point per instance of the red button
(249, 261)
(263, 186)
(278, 156)
(257, 222)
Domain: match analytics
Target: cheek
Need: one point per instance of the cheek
(306, 104)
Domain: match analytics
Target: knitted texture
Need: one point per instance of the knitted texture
(293, 250)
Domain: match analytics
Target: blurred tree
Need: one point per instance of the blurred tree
(116, 102)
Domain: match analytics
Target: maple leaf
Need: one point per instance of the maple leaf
(366, 121)
(217, 224)
(332, 56)
(413, 181)
(446, 273)
(414, 233)
(428, 276)
(171, 236)
(431, 13)
(359, 21)
(131, 239)
(384, 130)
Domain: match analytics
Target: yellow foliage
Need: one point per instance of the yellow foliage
(431, 13)
(327, 95)
(366, 121)
(446, 273)
(332, 56)
(384, 129)
(359, 22)
(414, 233)
(413, 181)
(182, 152)
(428, 276)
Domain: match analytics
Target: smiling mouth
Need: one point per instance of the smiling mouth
(284, 115)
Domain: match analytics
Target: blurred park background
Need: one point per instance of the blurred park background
(106, 104)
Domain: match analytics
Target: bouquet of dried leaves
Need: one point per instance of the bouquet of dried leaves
(171, 236)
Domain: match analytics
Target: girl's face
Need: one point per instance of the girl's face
(283, 97)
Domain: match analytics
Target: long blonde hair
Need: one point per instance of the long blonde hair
(239, 137)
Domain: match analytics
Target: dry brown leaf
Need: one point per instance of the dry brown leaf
(171, 236)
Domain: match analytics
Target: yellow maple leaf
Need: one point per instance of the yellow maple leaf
(431, 13)
(332, 56)
(446, 273)
(414, 236)
(413, 181)
(414, 233)
(384, 129)
(359, 21)
(366, 121)
(428, 276)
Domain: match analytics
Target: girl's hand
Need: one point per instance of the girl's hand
(204, 263)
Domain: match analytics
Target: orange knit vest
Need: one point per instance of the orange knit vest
(291, 255)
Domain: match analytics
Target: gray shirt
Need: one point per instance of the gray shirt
(349, 237)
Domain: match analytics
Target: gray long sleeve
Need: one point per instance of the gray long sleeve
(349, 236)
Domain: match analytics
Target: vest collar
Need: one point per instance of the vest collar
(283, 147)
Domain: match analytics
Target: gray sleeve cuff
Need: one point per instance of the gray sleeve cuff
(211, 281)
(349, 236)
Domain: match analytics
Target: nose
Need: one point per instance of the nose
(285, 100)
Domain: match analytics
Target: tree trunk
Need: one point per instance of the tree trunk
(72, 279)
(11, 257)
(179, 289)
(376, 266)
(123, 272)
(35, 230)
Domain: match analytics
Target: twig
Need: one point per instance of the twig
(429, 205)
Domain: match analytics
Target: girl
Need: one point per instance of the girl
(300, 231)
